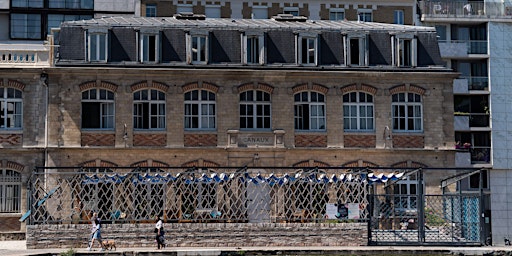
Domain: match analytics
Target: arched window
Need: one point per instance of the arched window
(310, 111)
(200, 110)
(11, 111)
(407, 112)
(149, 109)
(255, 110)
(10, 191)
(358, 112)
(97, 109)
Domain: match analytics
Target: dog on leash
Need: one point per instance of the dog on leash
(109, 244)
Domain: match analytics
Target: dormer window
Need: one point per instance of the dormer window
(97, 45)
(197, 47)
(253, 48)
(356, 50)
(149, 46)
(307, 45)
(404, 50)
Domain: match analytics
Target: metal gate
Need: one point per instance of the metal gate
(405, 215)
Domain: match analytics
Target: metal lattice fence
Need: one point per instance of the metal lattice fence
(199, 195)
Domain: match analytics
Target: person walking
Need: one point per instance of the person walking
(95, 231)
(159, 230)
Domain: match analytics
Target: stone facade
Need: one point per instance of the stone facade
(203, 235)
(52, 133)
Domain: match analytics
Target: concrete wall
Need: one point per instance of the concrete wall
(202, 234)
(500, 64)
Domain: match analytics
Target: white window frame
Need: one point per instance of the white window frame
(398, 17)
(100, 39)
(337, 12)
(316, 120)
(143, 106)
(402, 104)
(10, 191)
(205, 106)
(291, 10)
(144, 44)
(258, 103)
(11, 107)
(194, 54)
(362, 49)
(362, 15)
(404, 48)
(252, 55)
(404, 199)
(358, 111)
(306, 44)
(151, 9)
(106, 100)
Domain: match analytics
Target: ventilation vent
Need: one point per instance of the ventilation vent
(189, 16)
(289, 17)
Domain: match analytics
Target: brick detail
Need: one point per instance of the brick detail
(147, 139)
(348, 88)
(403, 88)
(200, 140)
(10, 224)
(194, 86)
(408, 164)
(359, 141)
(311, 163)
(149, 163)
(200, 163)
(128, 235)
(408, 141)
(103, 84)
(16, 84)
(258, 86)
(364, 87)
(98, 163)
(315, 87)
(310, 140)
(145, 85)
(10, 139)
(12, 165)
(397, 89)
(98, 139)
(360, 163)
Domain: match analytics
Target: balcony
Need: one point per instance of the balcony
(464, 122)
(24, 55)
(464, 84)
(448, 9)
(473, 155)
(461, 48)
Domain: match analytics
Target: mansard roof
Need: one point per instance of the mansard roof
(241, 24)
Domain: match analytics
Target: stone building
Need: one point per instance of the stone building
(189, 91)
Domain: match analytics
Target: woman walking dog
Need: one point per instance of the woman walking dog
(95, 231)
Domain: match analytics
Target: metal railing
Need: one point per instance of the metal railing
(472, 46)
(465, 9)
(198, 195)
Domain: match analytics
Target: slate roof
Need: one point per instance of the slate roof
(163, 22)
